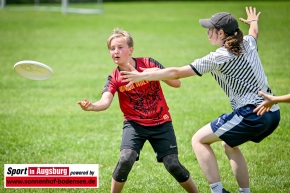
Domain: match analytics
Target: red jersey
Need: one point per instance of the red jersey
(142, 102)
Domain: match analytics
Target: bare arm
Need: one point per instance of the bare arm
(166, 74)
(100, 105)
(172, 83)
(283, 98)
(252, 20)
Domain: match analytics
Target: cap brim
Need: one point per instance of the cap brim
(206, 23)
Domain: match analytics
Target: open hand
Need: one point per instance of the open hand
(251, 15)
(86, 105)
(131, 76)
(266, 105)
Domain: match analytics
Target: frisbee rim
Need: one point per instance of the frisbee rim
(32, 62)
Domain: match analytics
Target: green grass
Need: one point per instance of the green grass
(42, 124)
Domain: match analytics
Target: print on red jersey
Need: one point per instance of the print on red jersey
(142, 102)
(146, 101)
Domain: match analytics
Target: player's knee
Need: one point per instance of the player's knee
(195, 142)
(230, 150)
(125, 164)
(173, 166)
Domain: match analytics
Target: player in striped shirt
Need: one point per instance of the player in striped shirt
(237, 68)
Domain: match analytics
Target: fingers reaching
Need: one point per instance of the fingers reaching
(131, 67)
(251, 15)
(266, 105)
(130, 76)
(261, 109)
(85, 105)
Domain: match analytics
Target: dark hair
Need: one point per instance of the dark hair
(232, 42)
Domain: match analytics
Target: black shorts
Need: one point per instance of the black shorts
(161, 137)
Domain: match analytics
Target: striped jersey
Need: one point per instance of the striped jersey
(241, 77)
(142, 102)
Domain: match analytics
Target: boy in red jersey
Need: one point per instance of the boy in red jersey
(146, 114)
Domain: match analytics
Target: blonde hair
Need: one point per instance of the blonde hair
(120, 33)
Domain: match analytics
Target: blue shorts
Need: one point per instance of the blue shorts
(161, 137)
(244, 125)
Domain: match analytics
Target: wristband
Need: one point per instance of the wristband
(253, 20)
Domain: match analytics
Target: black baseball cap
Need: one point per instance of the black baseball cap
(221, 20)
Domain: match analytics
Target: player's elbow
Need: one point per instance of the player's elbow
(173, 83)
(177, 84)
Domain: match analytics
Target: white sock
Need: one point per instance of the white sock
(244, 190)
(216, 187)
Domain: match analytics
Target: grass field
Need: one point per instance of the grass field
(40, 122)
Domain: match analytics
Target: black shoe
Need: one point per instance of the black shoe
(224, 191)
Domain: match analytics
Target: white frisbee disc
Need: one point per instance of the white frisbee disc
(33, 70)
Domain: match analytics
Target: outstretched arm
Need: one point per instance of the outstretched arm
(269, 102)
(100, 105)
(173, 83)
(162, 74)
(252, 20)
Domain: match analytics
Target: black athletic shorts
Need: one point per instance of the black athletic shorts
(161, 137)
